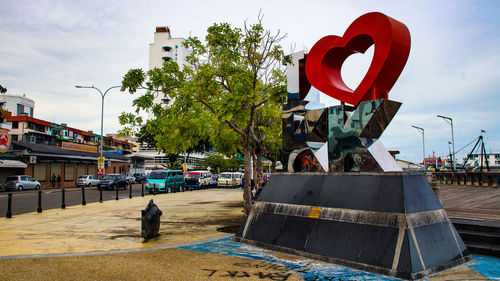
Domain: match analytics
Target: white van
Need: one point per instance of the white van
(230, 179)
(238, 176)
(197, 179)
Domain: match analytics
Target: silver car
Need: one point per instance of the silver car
(21, 182)
(86, 180)
(130, 178)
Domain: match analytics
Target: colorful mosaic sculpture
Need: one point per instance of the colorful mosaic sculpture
(345, 138)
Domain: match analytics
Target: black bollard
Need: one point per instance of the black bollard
(142, 189)
(83, 196)
(63, 199)
(39, 209)
(100, 195)
(9, 206)
(130, 191)
(154, 189)
(116, 196)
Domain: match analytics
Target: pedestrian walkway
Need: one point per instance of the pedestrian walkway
(101, 241)
(471, 202)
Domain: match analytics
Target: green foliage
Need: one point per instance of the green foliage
(144, 137)
(218, 163)
(133, 80)
(3, 90)
(130, 122)
(229, 93)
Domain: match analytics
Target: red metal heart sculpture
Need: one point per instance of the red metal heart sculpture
(392, 47)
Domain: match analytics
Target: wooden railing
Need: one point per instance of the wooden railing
(491, 179)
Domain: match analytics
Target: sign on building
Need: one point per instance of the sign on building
(4, 140)
(100, 166)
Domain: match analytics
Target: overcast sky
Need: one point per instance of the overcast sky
(48, 47)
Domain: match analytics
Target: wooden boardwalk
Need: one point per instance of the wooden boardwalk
(471, 202)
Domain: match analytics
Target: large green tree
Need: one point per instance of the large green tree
(233, 88)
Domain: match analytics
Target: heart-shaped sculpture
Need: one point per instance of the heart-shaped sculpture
(391, 39)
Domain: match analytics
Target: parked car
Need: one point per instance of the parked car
(130, 178)
(21, 182)
(86, 180)
(113, 181)
(140, 178)
(230, 179)
(197, 179)
(165, 181)
(213, 180)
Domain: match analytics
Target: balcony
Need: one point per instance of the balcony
(166, 58)
(167, 48)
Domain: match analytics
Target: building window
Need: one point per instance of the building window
(69, 172)
(31, 111)
(92, 170)
(15, 124)
(40, 171)
(20, 109)
(55, 169)
(81, 170)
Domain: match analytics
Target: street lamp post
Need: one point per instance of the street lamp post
(450, 121)
(421, 130)
(102, 106)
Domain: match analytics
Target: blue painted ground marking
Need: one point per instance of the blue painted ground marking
(489, 267)
(308, 269)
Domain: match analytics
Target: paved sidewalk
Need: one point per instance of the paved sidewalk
(116, 225)
(101, 241)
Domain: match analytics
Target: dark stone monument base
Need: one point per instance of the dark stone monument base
(387, 223)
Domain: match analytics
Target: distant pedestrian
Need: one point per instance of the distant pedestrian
(58, 180)
(53, 180)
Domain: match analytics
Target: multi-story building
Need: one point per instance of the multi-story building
(41, 149)
(17, 105)
(159, 160)
(493, 160)
(165, 48)
(33, 130)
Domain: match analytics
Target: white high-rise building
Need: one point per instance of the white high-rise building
(165, 48)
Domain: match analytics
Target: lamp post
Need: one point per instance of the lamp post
(421, 130)
(102, 105)
(450, 121)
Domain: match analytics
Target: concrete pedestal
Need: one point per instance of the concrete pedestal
(387, 223)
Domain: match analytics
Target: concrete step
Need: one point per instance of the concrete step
(491, 250)
(480, 237)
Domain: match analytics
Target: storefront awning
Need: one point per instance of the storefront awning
(12, 164)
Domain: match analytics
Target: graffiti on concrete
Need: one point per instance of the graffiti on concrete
(267, 262)
(216, 274)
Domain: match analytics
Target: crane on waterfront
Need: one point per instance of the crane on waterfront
(479, 146)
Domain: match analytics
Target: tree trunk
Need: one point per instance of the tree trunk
(258, 166)
(247, 193)
(254, 168)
